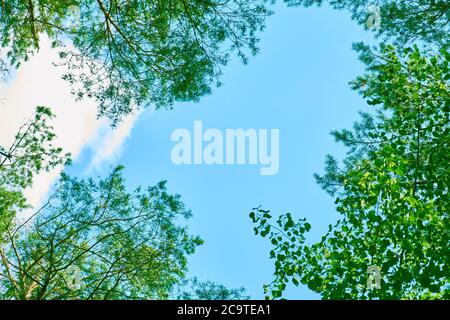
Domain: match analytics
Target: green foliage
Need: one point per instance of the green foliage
(95, 240)
(391, 192)
(92, 239)
(10, 203)
(403, 21)
(30, 153)
(195, 289)
(136, 53)
(4, 69)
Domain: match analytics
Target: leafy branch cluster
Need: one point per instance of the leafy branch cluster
(124, 245)
(130, 53)
(392, 188)
(404, 22)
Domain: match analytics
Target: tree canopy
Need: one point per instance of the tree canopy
(391, 191)
(94, 240)
(135, 53)
(31, 152)
(194, 289)
(403, 22)
(91, 239)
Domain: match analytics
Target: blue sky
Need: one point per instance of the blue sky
(298, 84)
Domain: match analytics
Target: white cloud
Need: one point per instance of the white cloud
(109, 143)
(38, 82)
